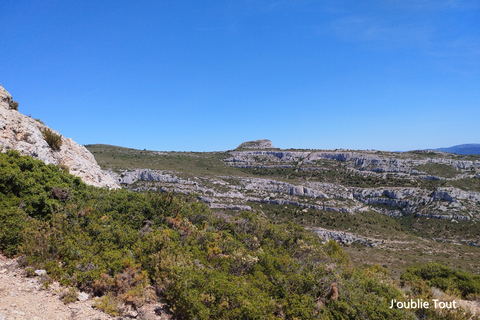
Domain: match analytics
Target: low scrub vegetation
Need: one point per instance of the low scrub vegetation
(69, 295)
(439, 170)
(14, 105)
(130, 248)
(419, 283)
(459, 283)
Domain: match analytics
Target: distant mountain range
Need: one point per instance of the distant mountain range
(472, 148)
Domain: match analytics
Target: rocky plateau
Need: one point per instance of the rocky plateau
(401, 183)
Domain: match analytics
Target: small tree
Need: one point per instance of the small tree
(54, 140)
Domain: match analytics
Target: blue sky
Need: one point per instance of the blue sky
(208, 75)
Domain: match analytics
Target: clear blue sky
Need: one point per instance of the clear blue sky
(208, 75)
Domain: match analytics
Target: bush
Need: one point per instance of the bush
(108, 304)
(54, 140)
(458, 282)
(420, 279)
(131, 286)
(69, 295)
(14, 105)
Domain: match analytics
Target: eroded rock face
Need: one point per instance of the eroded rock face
(257, 144)
(23, 133)
(6, 100)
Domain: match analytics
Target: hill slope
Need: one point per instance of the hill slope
(27, 135)
(465, 149)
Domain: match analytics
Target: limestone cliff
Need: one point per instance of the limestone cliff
(23, 133)
(257, 144)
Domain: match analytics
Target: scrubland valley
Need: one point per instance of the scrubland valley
(250, 233)
(393, 209)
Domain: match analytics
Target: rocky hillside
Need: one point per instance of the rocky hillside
(26, 135)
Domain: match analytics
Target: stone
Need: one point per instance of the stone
(82, 296)
(40, 272)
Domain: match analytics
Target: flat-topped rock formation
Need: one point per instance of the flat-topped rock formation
(257, 144)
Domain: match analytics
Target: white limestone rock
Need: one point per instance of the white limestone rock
(23, 133)
(6, 100)
(40, 272)
(82, 296)
(257, 144)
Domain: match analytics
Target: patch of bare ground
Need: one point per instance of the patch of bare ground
(23, 298)
(472, 306)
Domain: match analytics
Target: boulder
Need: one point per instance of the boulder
(40, 272)
(82, 296)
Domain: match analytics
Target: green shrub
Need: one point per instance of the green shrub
(108, 304)
(14, 105)
(131, 286)
(30, 272)
(54, 140)
(12, 224)
(69, 295)
(461, 283)
(420, 279)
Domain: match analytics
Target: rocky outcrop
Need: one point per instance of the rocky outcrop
(345, 237)
(236, 193)
(130, 177)
(443, 217)
(454, 194)
(361, 161)
(24, 134)
(258, 157)
(6, 100)
(257, 144)
(234, 207)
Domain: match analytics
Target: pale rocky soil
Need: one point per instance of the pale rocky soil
(23, 298)
(472, 306)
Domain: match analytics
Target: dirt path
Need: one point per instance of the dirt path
(22, 298)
